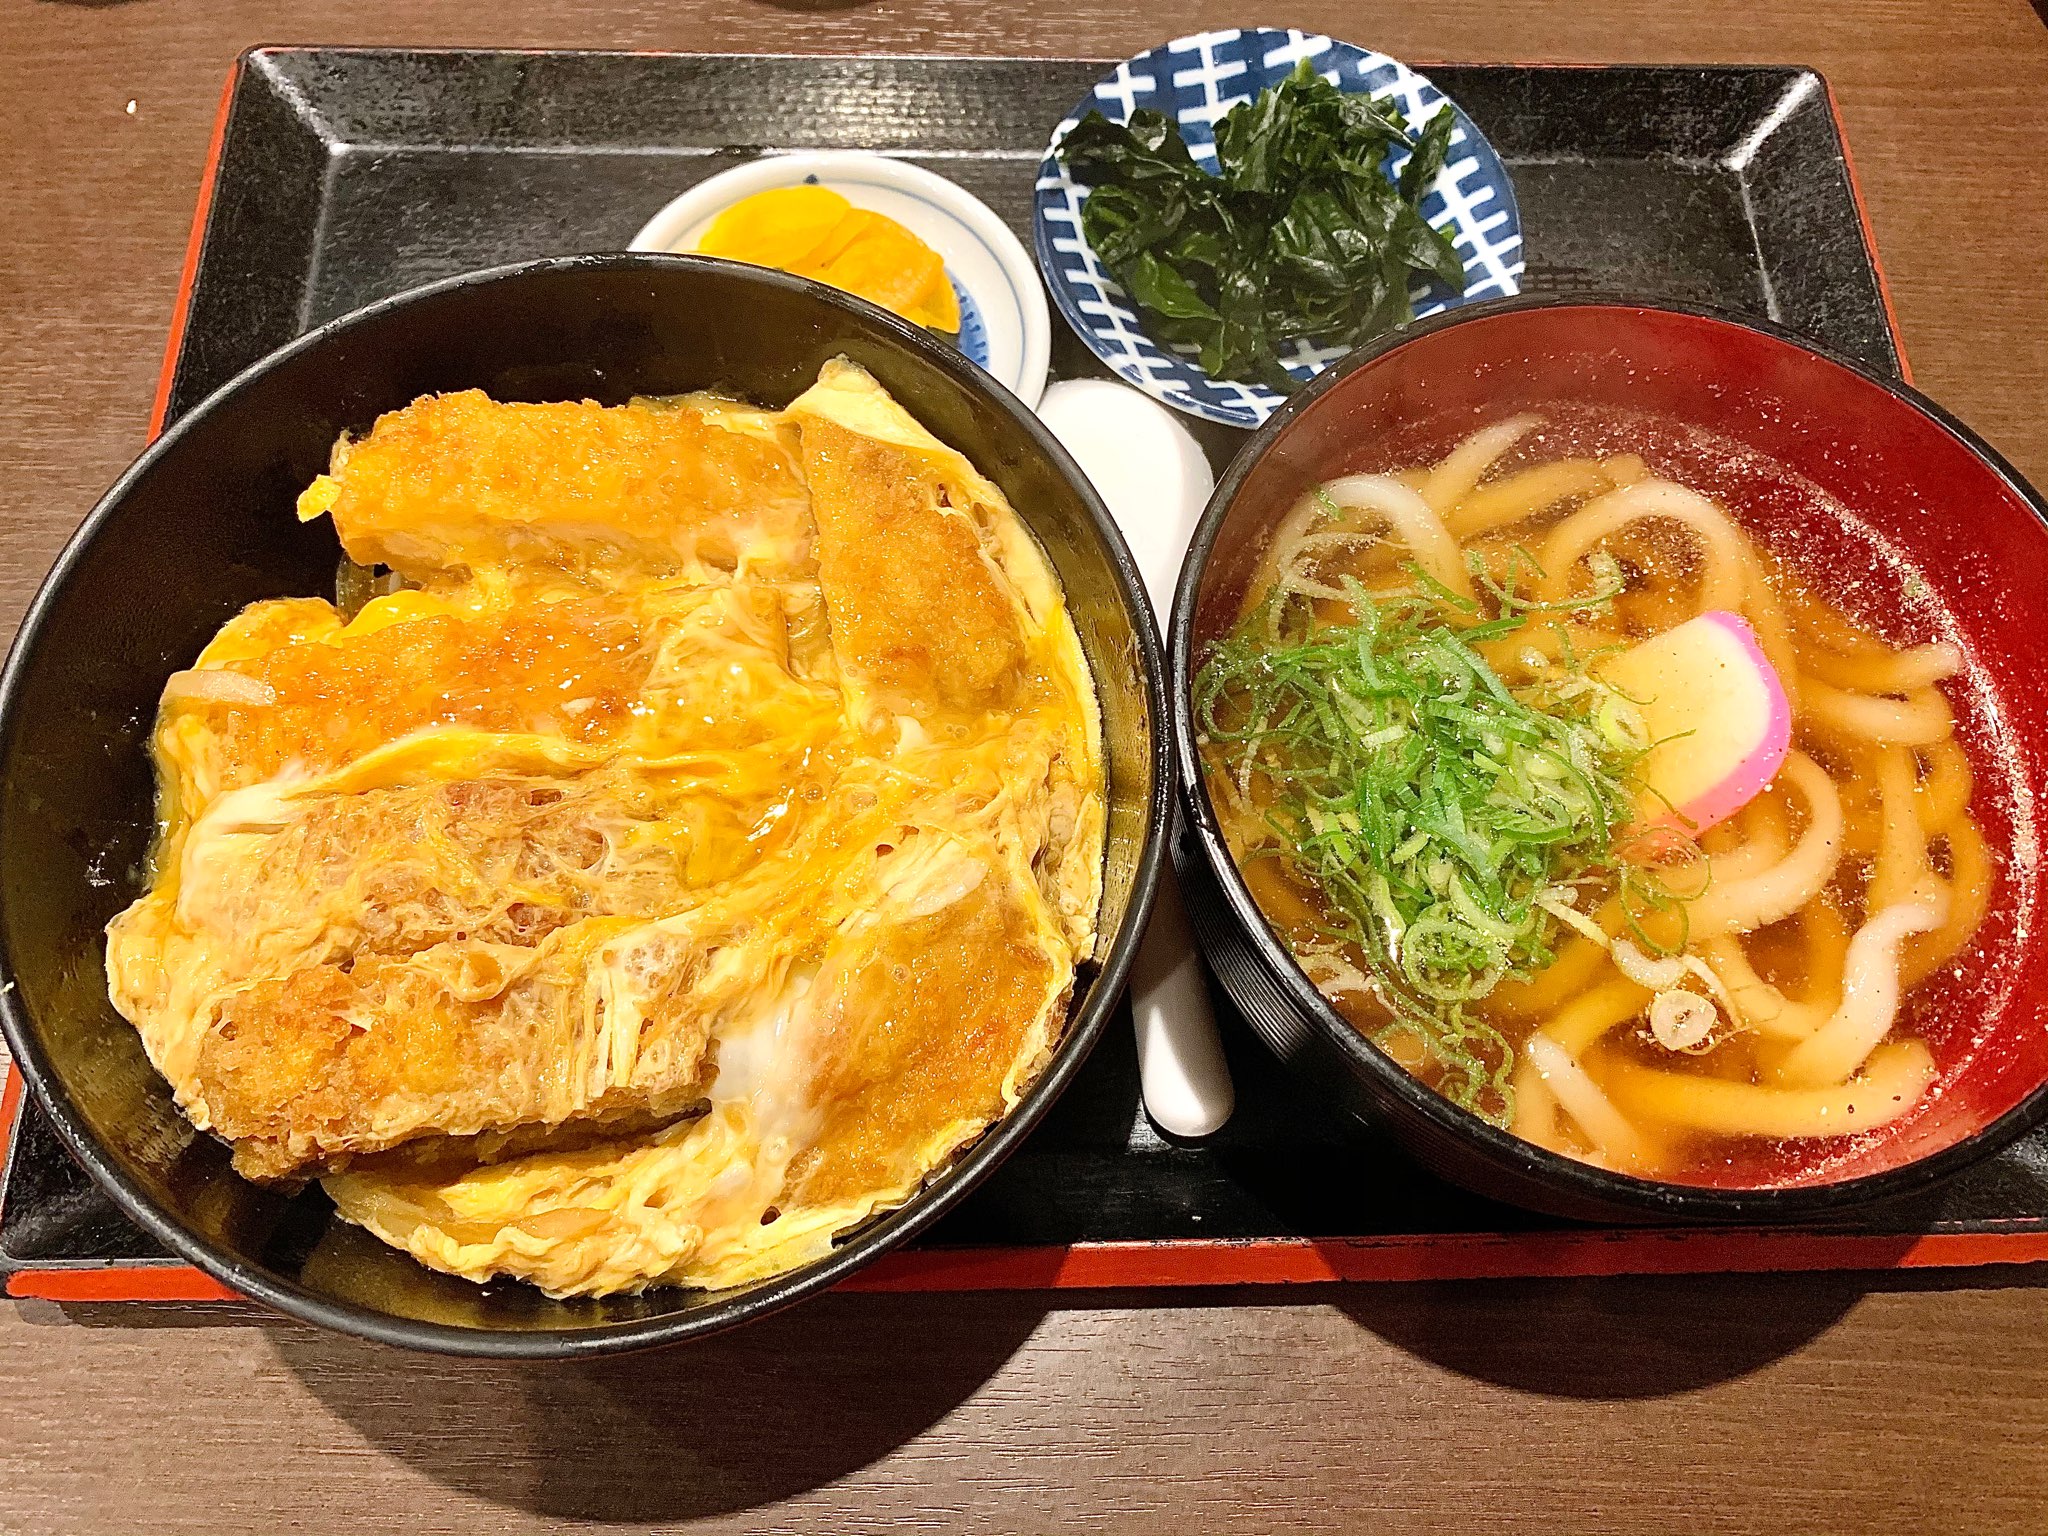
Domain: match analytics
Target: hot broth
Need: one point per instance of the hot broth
(1430, 751)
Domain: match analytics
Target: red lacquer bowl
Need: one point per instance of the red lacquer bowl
(1872, 493)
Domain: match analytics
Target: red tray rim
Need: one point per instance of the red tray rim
(1176, 1262)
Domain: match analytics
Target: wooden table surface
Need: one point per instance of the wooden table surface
(1805, 1403)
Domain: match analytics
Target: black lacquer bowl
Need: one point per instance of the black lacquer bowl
(1933, 498)
(202, 524)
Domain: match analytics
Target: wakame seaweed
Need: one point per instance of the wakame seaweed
(1300, 236)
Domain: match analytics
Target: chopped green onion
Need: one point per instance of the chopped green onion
(1443, 816)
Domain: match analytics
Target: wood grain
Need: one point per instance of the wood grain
(1733, 1405)
(1704, 1406)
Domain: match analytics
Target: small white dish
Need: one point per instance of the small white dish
(1005, 326)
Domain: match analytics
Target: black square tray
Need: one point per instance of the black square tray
(339, 176)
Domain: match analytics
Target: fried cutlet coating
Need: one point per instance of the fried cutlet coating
(917, 613)
(458, 482)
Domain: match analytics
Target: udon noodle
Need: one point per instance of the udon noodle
(1639, 992)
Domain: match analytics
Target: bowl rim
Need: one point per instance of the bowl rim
(1085, 1021)
(1584, 1182)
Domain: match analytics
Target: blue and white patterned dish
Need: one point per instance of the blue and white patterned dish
(1197, 79)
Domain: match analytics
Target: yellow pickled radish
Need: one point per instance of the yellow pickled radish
(777, 228)
(883, 261)
(814, 232)
(938, 306)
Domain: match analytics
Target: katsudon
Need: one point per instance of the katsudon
(676, 844)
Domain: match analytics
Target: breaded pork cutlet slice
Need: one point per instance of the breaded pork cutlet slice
(692, 488)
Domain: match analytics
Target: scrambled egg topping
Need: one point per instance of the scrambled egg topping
(689, 858)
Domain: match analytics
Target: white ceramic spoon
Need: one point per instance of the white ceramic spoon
(1155, 480)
